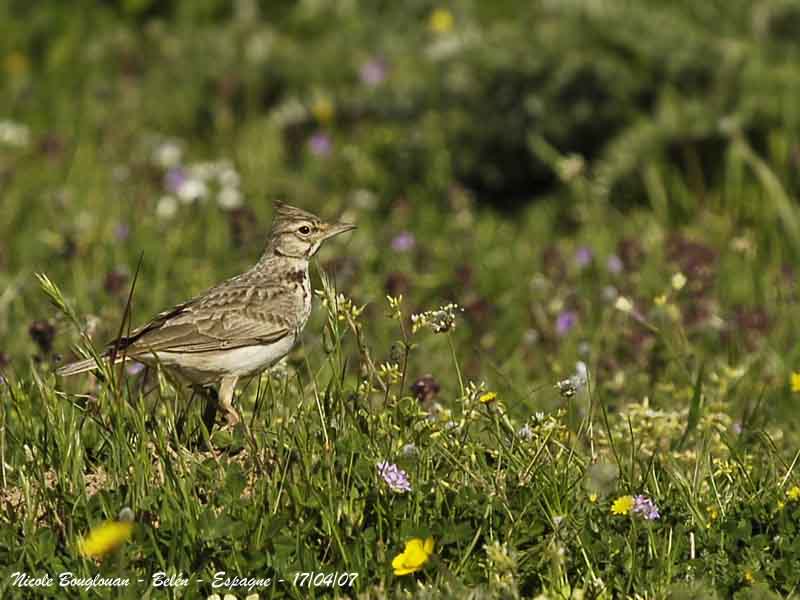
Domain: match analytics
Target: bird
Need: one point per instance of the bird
(239, 327)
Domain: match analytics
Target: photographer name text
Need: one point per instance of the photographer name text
(160, 579)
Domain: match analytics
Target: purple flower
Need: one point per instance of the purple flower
(583, 257)
(525, 432)
(614, 264)
(565, 322)
(134, 368)
(320, 144)
(644, 506)
(396, 479)
(403, 242)
(373, 72)
(174, 179)
(122, 231)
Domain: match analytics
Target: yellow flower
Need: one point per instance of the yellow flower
(487, 398)
(712, 515)
(781, 504)
(622, 505)
(796, 381)
(16, 64)
(793, 493)
(105, 537)
(323, 110)
(678, 281)
(593, 498)
(413, 557)
(748, 576)
(441, 21)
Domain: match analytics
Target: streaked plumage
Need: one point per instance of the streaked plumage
(241, 326)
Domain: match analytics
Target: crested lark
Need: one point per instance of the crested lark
(241, 326)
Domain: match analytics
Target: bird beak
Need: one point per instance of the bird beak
(338, 228)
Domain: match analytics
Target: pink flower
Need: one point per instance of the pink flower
(565, 322)
(320, 144)
(403, 242)
(644, 507)
(396, 478)
(583, 257)
(373, 72)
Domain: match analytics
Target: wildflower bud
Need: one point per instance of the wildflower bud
(566, 387)
(42, 333)
(425, 388)
(126, 514)
(396, 353)
(396, 285)
(115, 281)
(569, 387)
(526, 432)
(441, 320)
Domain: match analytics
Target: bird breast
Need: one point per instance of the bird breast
(237, 362)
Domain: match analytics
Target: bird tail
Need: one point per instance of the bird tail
(81, 366)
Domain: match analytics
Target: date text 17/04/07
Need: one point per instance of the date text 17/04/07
(320, 579)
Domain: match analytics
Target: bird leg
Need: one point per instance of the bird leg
(226, 389)
(211, 407)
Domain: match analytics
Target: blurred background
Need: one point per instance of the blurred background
(532, 161)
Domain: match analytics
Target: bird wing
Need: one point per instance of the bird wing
(226, 317)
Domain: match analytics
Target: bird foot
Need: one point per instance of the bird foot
(232, 418)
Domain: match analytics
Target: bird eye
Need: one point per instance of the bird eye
(305, 230)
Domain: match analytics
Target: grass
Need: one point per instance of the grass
(605, 346)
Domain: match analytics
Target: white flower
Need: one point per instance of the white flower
(229, 198)
(14, 134)
(440, 320)
(678, 281)
(581, 371)
(192, 189)
(569, 387)
(570, 167)
(259, 46)
(167, 207)
(409, 449)
(168, 154)
(203, 170)
(610, 292)
(623, 305)
(289, 112)
(228, 177)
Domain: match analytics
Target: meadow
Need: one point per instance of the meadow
(557, 359)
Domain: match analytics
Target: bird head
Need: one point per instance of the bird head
(299, 234)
